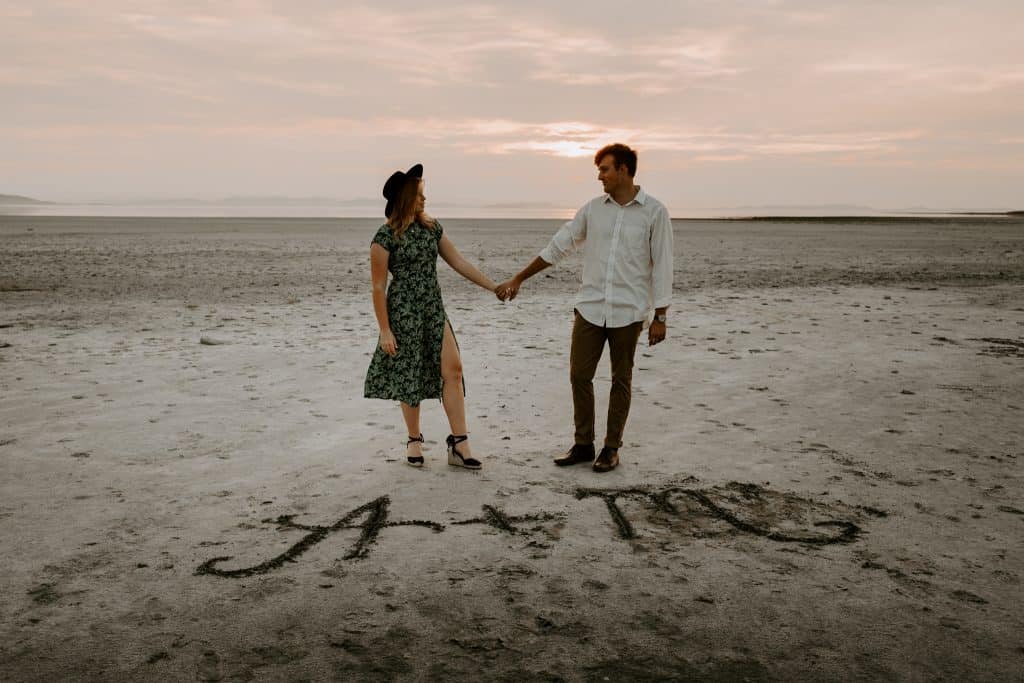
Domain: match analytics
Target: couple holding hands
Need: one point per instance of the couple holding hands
(626, 238)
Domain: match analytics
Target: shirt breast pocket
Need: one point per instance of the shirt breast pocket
(637, 240)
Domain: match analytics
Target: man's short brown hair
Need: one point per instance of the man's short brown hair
(621, 154)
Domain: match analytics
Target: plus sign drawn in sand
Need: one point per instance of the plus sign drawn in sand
(743, 508)
(374, 516)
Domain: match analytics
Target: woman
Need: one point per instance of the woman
(417, 356)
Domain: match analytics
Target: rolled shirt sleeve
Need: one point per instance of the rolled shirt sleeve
(661, 255)
(569, 237)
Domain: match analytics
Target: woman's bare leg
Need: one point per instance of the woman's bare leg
(451, 396)
(412, 424)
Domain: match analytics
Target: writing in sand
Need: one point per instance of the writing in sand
(746, 508)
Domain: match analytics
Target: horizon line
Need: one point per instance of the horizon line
(829, 217)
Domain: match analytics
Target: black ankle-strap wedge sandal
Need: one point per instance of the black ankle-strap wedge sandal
(455, 458)
(414, 460)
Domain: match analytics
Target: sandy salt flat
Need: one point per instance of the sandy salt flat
(821, 477)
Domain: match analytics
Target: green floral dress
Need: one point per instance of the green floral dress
(417, 317)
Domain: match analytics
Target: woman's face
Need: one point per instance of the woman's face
(421, 199)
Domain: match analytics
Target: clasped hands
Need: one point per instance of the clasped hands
(507, 290)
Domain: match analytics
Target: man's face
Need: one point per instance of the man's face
(610, 176)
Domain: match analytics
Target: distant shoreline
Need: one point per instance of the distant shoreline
(1011, 217)
(882, 218)
(317, 208)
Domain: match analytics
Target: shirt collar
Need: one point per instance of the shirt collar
(640, 198)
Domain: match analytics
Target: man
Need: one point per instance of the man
(626, 236)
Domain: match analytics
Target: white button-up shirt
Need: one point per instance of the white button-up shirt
(627, 258)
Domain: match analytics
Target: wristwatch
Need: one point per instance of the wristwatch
(661, 317)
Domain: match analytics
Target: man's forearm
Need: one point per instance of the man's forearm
(536, 265)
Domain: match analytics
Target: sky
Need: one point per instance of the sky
(761, 102)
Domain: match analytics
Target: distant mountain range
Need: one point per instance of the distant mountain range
(314, 201)
(18, 199)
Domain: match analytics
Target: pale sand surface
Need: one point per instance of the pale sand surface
(860, 383)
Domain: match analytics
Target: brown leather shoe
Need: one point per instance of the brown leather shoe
(607, 461)
(577, 454)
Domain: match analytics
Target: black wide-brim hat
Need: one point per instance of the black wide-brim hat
(396, 182)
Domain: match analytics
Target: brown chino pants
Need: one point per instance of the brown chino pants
(588, 342)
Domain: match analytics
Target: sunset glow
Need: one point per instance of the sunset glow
(913, 104)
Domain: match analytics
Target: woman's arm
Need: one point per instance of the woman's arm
(461, 266)
(379, 277)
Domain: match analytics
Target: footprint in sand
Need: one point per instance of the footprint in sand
(209, 667)
(44, 594)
